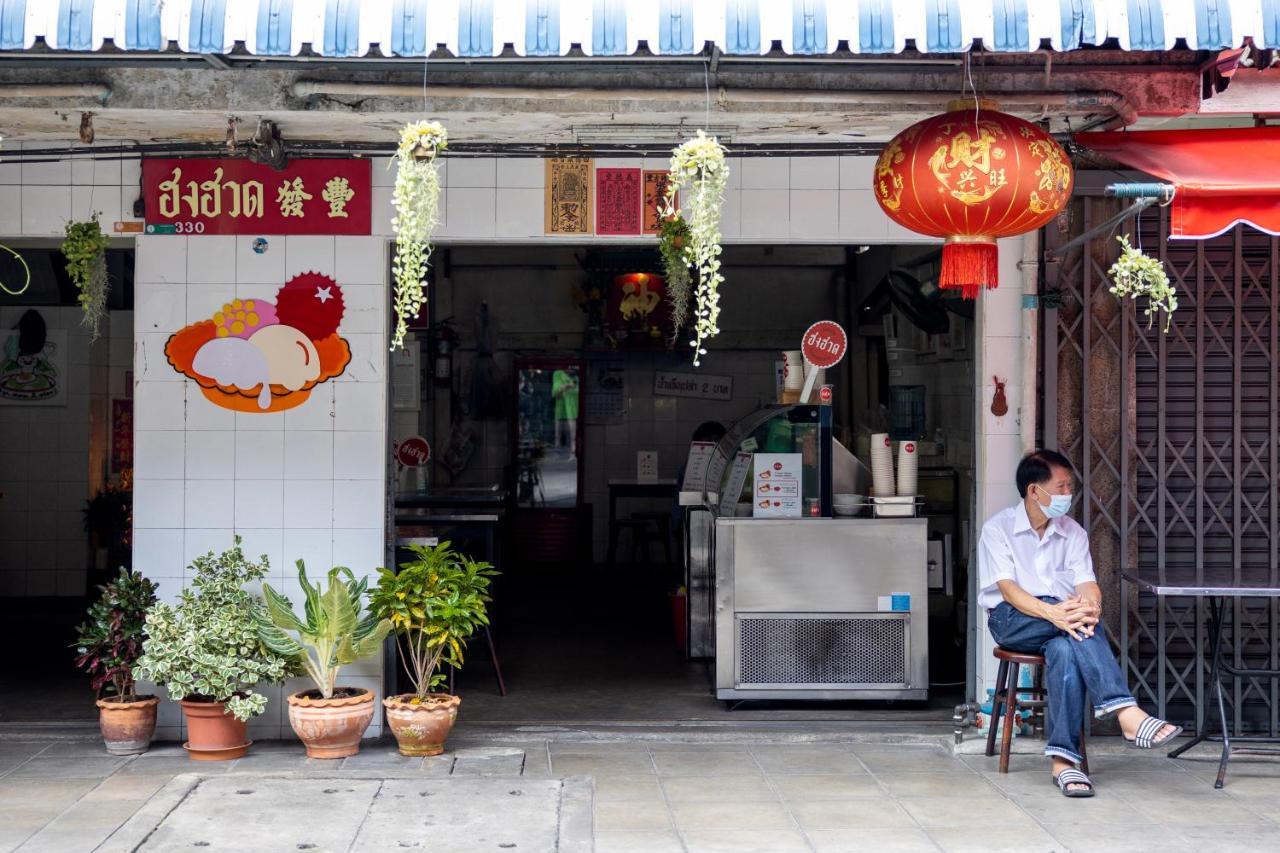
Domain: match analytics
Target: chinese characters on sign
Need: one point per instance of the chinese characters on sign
(655, 191)
(568, 196)
(618, 201)
(231, 196)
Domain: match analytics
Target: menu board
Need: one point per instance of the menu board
(737, 478)
(695, 466)
(775, 488)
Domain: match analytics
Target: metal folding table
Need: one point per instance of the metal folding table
(1216, 597)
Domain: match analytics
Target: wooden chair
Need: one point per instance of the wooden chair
(1005, 703)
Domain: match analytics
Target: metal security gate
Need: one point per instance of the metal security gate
(1175, 439)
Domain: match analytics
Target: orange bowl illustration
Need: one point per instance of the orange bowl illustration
(334, 356)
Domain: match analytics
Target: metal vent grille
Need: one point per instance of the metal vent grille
(822, 651)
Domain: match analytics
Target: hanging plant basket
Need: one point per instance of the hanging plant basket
(672, 240)
(698, 167)
(417, 202)
(85, 248)
(1136, 274)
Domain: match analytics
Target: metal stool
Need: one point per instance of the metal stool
(644, 527)
(1005, 703)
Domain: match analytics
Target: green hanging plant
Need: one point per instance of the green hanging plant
(85, 248)
(417, 202)
(1137, 274)
(698, 166)
(675, 267)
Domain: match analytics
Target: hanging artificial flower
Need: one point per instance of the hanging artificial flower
(699, 166)
(417, 202)
(85, 248)
(1137, 274)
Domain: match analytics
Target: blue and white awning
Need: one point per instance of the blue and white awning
(483, 28)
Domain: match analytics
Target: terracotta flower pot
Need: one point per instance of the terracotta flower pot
(331, 728)
(421, 728)
(127, 727)
(213, 733)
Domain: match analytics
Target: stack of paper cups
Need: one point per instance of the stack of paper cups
(792, 369)
(882, 464)
(907, 467)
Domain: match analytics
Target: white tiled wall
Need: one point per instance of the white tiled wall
(307, 483)
(44, 462)
(486, 199)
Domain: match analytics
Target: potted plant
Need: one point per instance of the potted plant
(434, 603)
(329, 720)
(85, 248)
(205, 651)
(108, 645)
(1135, 274)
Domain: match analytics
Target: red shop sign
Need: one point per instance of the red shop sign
(233, 196)
(824, 344)
(413, 452)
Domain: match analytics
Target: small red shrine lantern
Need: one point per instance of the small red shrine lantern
(971, 175)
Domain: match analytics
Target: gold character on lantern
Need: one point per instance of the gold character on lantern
(338, 192)
(975, 155)
(638, 300)
(889, 184)
(291, 196)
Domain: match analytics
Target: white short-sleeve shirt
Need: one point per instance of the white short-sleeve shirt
(1010, 549)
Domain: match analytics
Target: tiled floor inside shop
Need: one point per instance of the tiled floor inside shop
(744, 795)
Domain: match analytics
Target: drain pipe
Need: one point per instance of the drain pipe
(1029, 266)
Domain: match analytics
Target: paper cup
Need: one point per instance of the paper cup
(792, 369)
(882, 464)
(908, 467)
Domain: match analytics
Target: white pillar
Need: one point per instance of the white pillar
(999, 343)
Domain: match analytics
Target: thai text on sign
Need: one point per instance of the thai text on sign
(824, 344)
(231, 196)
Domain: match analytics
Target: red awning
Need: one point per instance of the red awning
(1223, 176)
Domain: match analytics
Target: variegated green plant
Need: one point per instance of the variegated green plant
(333, 631)
(206, 647)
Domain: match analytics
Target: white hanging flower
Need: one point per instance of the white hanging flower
(699, 167)
(417, 202)
(1137, 274)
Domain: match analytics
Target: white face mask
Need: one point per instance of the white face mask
(1059, 505)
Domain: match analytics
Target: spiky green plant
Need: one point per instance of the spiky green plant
(332, 633)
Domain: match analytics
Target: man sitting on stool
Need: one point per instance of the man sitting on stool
(1042, 597)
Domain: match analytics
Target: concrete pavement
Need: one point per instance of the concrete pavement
(742, 792)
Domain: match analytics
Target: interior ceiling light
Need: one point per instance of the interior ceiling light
(267, 147)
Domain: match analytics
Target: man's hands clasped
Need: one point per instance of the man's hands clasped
(1077, 616)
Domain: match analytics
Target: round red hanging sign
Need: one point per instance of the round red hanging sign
(413, 452)
(824, 344)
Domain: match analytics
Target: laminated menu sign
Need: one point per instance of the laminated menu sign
(775, 488)
(737, 479)
(695, 466)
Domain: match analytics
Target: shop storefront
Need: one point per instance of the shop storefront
(560, 433)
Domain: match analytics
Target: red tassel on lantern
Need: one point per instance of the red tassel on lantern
(969, 266)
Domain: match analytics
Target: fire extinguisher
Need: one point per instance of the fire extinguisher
(445, 342)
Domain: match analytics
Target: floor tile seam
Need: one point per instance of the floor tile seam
(128, 760)
(15, 768)
(884, 789)
(786, 806)
(666, 802)
(355, 836)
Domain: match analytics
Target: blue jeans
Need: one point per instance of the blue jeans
(1072, 669)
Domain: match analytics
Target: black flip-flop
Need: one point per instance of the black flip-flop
(1072, 776)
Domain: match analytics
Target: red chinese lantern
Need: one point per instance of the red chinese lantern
(971, 175)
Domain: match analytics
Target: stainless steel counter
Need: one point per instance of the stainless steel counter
(799, 613)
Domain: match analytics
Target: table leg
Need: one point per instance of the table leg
(613, 529)
(1219, 609)
(1215, 643)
